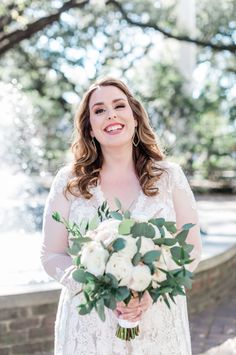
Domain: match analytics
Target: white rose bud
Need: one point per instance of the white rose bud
(141, 278)
(107, 231)
(94, 257)
(130, 248)
(121, 268)
(146, 245)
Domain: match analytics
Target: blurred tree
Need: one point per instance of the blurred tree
(71, 43)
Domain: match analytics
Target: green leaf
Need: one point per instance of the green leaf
(125, 226)
(165, 290)
(188, 226)
(181, 237)
(113, 280)
(127, 214)
(122, 293)
(171, 227)
(143, 229)
(188, 248)
(118, 203)
(176, 252)
(151, 256)
(100, 309)
(119, 244)
(93, 224)
(110, 301)
(138, 243)
(56, 216)
(85, 308)
(159, 222)
(76, 260)
(79, 275)
(116, 215)
(136, 259)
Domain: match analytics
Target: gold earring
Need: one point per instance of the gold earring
(94, 145)
(136, 135)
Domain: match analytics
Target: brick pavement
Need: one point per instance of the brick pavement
(213, 331)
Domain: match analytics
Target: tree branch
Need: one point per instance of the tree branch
(9, 40)
(216, 47)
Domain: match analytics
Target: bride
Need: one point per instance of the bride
(116, 154)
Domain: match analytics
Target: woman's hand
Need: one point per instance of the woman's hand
(134, 310)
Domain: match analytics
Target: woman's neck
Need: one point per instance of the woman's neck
(118, 161)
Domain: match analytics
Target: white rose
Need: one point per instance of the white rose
(130, 248)
(146, 245)
(141, 278)
(121, 268)
(94, 257)
(107, 231)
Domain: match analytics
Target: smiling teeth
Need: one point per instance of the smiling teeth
(113, 128)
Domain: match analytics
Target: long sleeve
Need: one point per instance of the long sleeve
(186, 212)
(54, 257)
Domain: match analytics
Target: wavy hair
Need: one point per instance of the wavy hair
(88, 158)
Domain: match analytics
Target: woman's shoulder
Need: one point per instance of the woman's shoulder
(167, 165)
(62, 176)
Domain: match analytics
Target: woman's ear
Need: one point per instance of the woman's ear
(91, 134)
(135, 123)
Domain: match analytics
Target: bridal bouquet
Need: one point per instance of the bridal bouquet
(117, 257)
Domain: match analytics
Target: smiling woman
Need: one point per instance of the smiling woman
(116, 154)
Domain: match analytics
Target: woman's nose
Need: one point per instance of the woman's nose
(111, 114)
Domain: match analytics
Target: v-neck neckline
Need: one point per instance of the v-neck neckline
(136, 203)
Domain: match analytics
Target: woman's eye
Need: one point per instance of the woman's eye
(120, 106)
(99, 110)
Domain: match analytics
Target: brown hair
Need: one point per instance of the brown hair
(88, 159)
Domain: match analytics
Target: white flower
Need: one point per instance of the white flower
(146, 245)
(94, 257)
(121, 268)
(165, 262)
(141, 278)
(130, 248)
(107, 231)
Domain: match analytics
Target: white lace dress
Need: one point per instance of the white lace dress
(162, 331)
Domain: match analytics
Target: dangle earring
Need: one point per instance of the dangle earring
(94, 145)
(135, 139)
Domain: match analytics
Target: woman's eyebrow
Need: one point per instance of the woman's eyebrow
(102, 103)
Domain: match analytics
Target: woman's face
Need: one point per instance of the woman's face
(111, 118)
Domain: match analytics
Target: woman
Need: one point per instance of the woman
(116, 155)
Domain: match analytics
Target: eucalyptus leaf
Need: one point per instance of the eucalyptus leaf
(171, 227)
(110, 302)
(122, 293)
(188, 226)
(93, 224)
(79, 275)
(143, 229)
(116, 215)
(136, 259)
(119, 244)
(118, 203)
(125, 226)
(100, 309)
(159, 222)
(151, 256)
(127, 214)
(181, 236)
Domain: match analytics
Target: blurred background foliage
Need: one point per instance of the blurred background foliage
(51, 52)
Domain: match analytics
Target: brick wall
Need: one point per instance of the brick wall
(213, 281)
(27, 316)
(27, 321)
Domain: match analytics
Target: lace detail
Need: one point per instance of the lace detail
(163, 331)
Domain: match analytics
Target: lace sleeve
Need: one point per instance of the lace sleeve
(186, 211)
(55, 260)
